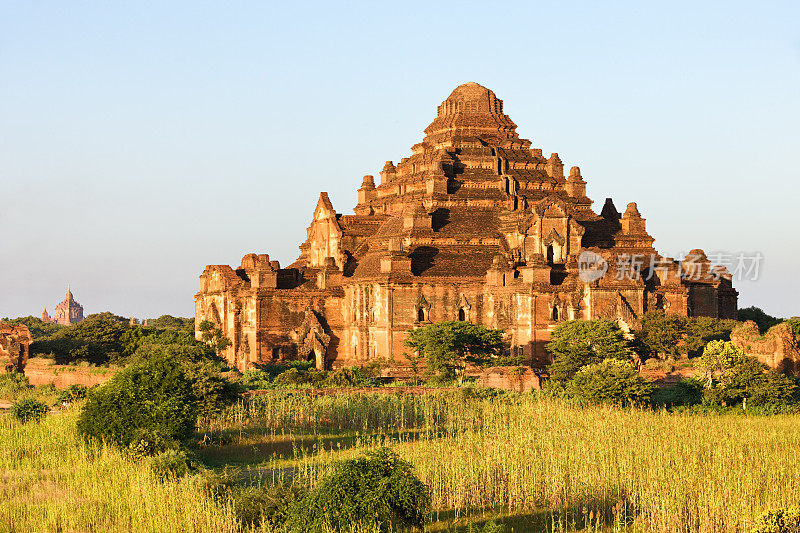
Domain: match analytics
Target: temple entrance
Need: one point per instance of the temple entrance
(317, 358)
(550, 254)
(421, 315)
(555, 314)
(462, 316)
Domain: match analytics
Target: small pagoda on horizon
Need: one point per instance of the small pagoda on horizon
(67, 312)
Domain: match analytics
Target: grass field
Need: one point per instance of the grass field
(526, 462)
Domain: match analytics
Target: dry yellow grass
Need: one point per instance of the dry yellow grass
(51, 481)
(567, 466)
(542, 462)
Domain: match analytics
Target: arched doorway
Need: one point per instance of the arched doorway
(462, 316)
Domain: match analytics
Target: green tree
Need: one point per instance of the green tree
(612, 381)
(171, 322)
(98, 339)
(661, 334)
(718, 357)
(578, 343)
(214, 336)
(446, 347)
(702, 329)
(39, 330)
(150, 403)
(733, 377)
(757, 315)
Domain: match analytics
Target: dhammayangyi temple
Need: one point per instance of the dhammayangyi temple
(474, 225)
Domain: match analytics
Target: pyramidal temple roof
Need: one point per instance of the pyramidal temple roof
(471, 107)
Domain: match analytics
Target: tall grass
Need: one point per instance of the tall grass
(555, 464)
(50, 480)
(616, 468)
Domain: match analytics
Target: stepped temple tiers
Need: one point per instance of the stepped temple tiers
(474, 225)
(67, 311)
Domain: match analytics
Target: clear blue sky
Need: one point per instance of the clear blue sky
(140, 141)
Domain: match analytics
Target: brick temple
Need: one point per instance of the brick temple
(67, 312)
(474, 225)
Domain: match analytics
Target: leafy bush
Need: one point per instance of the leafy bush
(12, 384)
(255, 378)
(29, 410)
(354, 376)
(781, 521)
(378, 490)
(686, 392)
(578, 343)
(73, 393)
(295, 376)
(150, 402)
(265, 505)
(171, 463)
(172, 322)
(213, 391)
(612, 381)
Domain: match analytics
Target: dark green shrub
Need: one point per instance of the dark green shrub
(378, 490)
(702, 329)
(772, 388)
(73, 393)
(612, 381)
(265, 505)
(29, 410)
(150, 402)
(354, 376)
(758, 316)
(295, 376)
(781, 521)
(256, 378)
(686, 392)
(213, 391)
(171, 463)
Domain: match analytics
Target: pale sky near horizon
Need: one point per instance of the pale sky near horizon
(140, 141)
